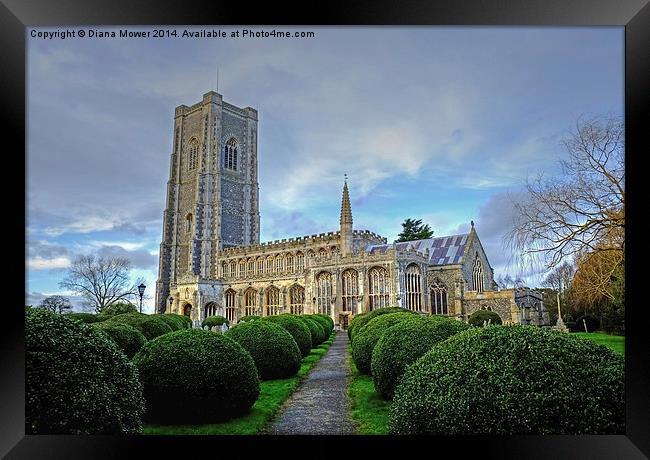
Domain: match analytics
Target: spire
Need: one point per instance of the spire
(346, 210)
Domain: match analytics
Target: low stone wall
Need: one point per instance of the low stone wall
(500, 302)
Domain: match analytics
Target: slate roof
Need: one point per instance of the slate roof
(444, 250)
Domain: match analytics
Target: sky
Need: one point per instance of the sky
(442, 124)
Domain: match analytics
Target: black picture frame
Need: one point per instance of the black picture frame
(634, 15)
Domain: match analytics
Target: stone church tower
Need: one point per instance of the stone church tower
(212, 191)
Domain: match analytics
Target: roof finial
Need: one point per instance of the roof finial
(345, 176)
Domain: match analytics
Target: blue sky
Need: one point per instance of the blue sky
(438, 123)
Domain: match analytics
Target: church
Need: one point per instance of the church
(212, 261)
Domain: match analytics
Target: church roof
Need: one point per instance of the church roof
(444, 250)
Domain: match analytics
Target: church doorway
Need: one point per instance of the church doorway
(187, 310)
(344, 320)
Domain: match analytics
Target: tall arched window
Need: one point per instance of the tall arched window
(193, 155)
(297, 299)
(438, 293)
(350, 290)
(324, 293)
(230, 305)
(300, 261)
(289, 260)
(272, 301)
(260, 266)
(230, 154)
(250, 267)
(413, 278)
(242, 269)
(279, 263)
(233, 268)
(250, 302)
(224, 269)
(210, 309)
(477, 274)
(269, 264)
(188, 222)
(378, 284)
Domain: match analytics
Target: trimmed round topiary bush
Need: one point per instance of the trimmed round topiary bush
(324, 323)
(361, 320)
(195, 376)
(127, 338)
(317, 332)
(86, 317)
(367, 337)
(298, 330)
(119, 308)
(212, 321)
(245, 318)
(187, 320)
(592, 323)
(77, 380)
(479, 317)
(329, 320)
(175, 322)
(512, 380)
(151, 326)
(274, 351)
(404, 343)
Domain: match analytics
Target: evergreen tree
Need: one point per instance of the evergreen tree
(414, 230)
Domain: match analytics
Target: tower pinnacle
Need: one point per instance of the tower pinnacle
(346, 210)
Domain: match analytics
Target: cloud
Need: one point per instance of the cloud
(39, 263)
(139, 258)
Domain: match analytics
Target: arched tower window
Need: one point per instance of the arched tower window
(250, 302)
(477, 274)
(272, 301)
(297, 299)
(188, 222)
(230, 305)
(324, 293)
(413, 278)
(350, 290)
(378, 284)
(230, 154)
(193, 155)
(438, 292)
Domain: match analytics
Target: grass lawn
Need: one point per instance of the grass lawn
(272, 394)
(368, 409)
(615, 342)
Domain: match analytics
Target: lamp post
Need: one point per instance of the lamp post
(141, 289)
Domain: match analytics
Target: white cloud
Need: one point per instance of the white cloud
(40, 263)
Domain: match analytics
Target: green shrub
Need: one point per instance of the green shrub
(127, 338)
(329, 320)
(187, 320)
(298, 330)
(512, 380)
(175, 322)
(367, 337)
(195, 376)
(86, 317)
(480, 316)
(591, 322)
(318, 334)
(405, 342)
(151, 326)
(119, 308)
(324, 323)
(212, 321)
(245, 318)
(77, 380)
(361, 320)
(274, 351)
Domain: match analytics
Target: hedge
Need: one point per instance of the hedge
(275, 352)
(405, 342)
(245, 318)
(364, 318)
(592, 323)
(298, 330)
(151, 326)
(329, 320)
(512, 380)
(196, 376)
(367, 337)
(212, 321)
(127, 338)
(175, 322)
(327, 326)
(119, 308)
(86, 317)
(77, 380)
(480, 316)
(318, 333)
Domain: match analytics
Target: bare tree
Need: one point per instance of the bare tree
(56, 304)
(100, 280)
(560, 278)
(581, 211)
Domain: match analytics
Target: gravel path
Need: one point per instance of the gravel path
(320, 404)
